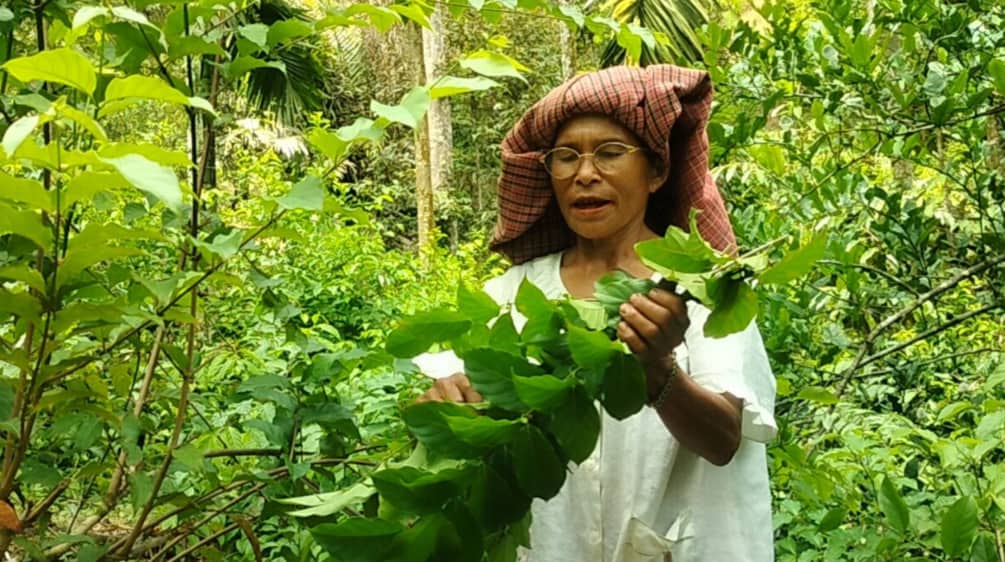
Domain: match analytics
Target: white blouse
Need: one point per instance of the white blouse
(640, 495)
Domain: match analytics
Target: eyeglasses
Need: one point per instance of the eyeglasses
(563, 162)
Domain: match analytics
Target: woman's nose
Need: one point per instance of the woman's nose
(587, 171)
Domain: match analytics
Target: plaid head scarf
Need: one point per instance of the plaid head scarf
(665, 106)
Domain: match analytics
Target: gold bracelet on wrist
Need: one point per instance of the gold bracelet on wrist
(657, 403)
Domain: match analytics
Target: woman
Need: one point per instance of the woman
(602, 162)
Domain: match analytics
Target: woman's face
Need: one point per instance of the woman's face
(601, 205)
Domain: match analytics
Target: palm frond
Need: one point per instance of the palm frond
(677, 19)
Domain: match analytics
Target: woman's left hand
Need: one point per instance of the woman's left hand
(653, 324)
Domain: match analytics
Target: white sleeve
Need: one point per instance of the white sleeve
(736, 364)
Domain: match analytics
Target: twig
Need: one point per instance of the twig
(209, 517)
(924, 335)
(204, 542)
(885, 274)
(862, 359)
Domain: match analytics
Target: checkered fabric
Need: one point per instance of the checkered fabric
(666, 106)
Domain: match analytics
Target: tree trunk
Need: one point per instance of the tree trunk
(567, 49)
(423, 171)
(441, 143)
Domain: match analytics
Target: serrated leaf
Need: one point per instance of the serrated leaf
(959, 527)
(61, 66)
(415, 334)
(447, 86)
(307, 194)
(795, 264)
(150, 177)
(894, 506)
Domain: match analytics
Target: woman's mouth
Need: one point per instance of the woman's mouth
(590, 206)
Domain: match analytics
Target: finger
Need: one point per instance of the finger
(449, 390)
(469, 392)
(672, 302)
(431, 395)
(640, 324)
(655, 312)
(631, 338)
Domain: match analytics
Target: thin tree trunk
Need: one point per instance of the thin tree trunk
(423, 171)
(567, 49)
(441, 133)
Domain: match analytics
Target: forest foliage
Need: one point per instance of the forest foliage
(207, 233)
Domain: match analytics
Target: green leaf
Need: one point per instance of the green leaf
(415, 334)
(447, 86)
(17, 133)
(544, 392)
(492, 64)
(85, 185)
(61, 66)
(357, 539)
(257, 33)
(192, 45)
(26, 275)
(27, 224)
(141, 485)
(832, 519)
(996, 379)
(284, 30)
(735, 309)
(321, 505)
(591, 312)
(504, 337)
(996, 68)
(795, 264)
(817, 394)
(590, 350)
(894, 506)
(78, 259)
(411, 109)
(148, 151)
(984, 549)
(482, 432)
(544, 324)
(420, 491)
(150, 177)
(959, 527)
(491, 374)
(29, 192)
(614, 289)
(623, 387)
(146, 87)
(329, 144)
(381, 18)
(82, 119)
(426, 421)
(226, 245)
(413, 12)
(677, 252)
(576, 425)
(245, 64)
(539, 469)
(308, 194)
(476, 304)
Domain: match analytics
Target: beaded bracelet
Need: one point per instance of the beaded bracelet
(665, 391)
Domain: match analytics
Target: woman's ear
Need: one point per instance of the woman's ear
(658, 174)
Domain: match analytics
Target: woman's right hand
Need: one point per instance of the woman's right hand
(455, 388)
